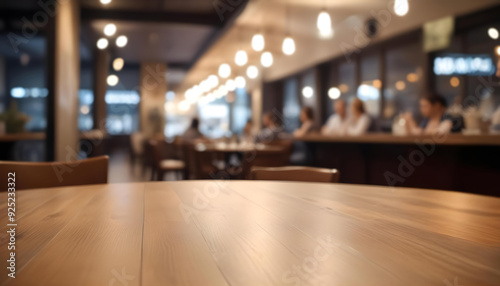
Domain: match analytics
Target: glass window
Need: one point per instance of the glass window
(241, 110)
(482, 91)
(86, 107)
(122, 111)
(403, 80)
(369, 90)
(291, 106)
(86, 98)
(347, 80)
(27, 88)
(449, 86)
(214, 118)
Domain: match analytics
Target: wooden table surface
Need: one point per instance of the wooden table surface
(252, 233)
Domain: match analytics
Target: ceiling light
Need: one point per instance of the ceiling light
(224, 70)
(400, 85)
(184, 105)
(105, 2)
(252, 72)
(217, 94)
(121, 41)
(454, 81)
(240, 82)
(223, 90)
(241, 58)
(110, 29)
(170, 95)
(205, 85)
(266, 59)
(344, 88)
(213, 81)
(231, 85)
(288, 46)
(324, 24)
(112, 80)
(412, 77)
(334, 93)
(493, 33)
(401, 7)
(258, 42)
(307, 92)
(102, 43)
(118, 64)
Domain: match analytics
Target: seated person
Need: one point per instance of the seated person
(307, 120)
(270, 130)
(193, 133)
(359, 121)
(436, 121)
(336, 124)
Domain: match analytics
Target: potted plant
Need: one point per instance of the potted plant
(15, 121)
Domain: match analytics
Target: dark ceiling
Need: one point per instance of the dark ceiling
(176, 32)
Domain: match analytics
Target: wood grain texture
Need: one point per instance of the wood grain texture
(255, 233)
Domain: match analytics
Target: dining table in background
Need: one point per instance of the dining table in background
(252, 233)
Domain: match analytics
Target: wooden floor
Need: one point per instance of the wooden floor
(253, 233)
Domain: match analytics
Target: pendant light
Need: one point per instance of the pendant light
(401, 7)
(288, 46)
(258, 42)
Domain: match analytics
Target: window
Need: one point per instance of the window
(369, 89)
(291, 106)
(86, 103)
(122, 111)
(347, 80)
(403, 80)
(214, 118)
(241, 110)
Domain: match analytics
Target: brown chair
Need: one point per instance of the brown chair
(163, 160)
(267, 158)
(298, 174)
(30, 175)
(199, 161)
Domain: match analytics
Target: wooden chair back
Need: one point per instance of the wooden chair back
(298, 174)
(31, 175)
(199, 162)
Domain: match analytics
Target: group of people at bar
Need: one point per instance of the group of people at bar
(358, 122)
(350, 120)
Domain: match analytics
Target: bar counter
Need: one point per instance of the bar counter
(449, 139)
(467, 163)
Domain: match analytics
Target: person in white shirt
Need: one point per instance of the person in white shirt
(336, 124)
(436, 120)
(307, 120)
(359, 122)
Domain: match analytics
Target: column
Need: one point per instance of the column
(63, 82)
(153, 90)
(101, 70)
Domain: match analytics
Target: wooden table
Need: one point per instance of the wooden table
(252, 233)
